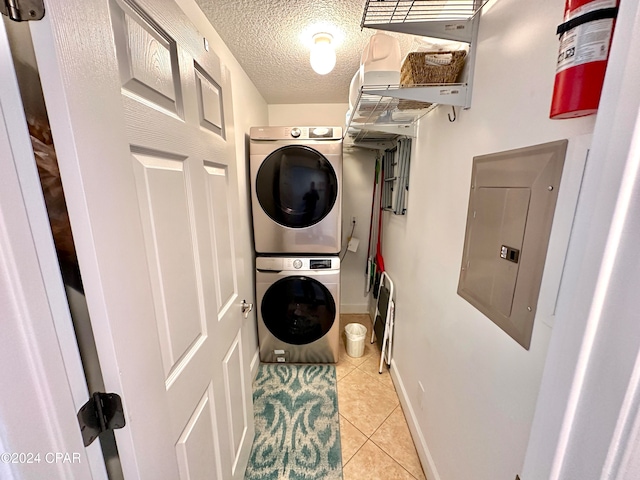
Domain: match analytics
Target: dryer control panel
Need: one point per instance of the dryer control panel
(296, 133)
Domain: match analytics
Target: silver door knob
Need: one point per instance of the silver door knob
(246, 308)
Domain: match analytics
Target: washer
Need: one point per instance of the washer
(296, 177)
(298, 301)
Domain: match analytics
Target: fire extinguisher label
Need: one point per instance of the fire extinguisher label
(589, 7)
(588, 42)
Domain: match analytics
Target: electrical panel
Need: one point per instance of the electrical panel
(511, 206)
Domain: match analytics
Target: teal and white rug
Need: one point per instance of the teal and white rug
(297, 424)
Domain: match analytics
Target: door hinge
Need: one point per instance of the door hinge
(22, 10)
(101, 413)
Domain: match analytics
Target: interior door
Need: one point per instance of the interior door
(142, 121)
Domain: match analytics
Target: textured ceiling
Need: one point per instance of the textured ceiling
(267, 38)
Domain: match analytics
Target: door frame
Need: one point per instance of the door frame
(588, 410)
(36, 302)
(25, 209)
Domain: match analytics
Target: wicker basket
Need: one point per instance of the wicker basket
(416, 71)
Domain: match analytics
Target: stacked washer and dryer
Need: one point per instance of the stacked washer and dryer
(296, 181)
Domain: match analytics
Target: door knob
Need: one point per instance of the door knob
(246, 308)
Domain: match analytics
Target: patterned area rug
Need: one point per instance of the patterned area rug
(297, 424)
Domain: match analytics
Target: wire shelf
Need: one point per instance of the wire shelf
(386, 112)
(381, 114)
(378, 12)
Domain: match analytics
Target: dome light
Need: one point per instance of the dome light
(323, 56)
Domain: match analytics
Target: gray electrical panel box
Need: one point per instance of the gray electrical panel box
(511, 206)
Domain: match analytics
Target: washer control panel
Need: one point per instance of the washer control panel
(315, 264)
(278, 264)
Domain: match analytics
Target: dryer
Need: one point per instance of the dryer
(296, 182)
(298, 301)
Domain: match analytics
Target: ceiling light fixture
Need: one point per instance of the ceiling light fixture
(323, 55)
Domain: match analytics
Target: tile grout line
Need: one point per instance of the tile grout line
(383, 451)
(378, 379)
(359, 448)
(385, 419)
(370, 438)
(393, 458)
(382, 448)
(351, 423)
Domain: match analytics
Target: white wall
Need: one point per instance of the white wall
(311, 114)
(474, 418)
(359, 169)
(357, 186)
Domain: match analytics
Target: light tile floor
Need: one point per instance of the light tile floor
(376, 443)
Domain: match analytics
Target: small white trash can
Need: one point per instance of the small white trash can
(356, 334)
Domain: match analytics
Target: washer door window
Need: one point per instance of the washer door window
(296, 186)
(298, 310)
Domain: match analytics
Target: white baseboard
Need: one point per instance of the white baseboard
(255, 361)
(418, 439)
(354, 308)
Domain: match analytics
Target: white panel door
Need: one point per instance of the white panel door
(142, 120)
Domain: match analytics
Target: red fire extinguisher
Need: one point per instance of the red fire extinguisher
(585, 38)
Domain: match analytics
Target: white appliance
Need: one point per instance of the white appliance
(298, 300)
(296, 182)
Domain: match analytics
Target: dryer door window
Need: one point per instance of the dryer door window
(296, 186)
(298, 310)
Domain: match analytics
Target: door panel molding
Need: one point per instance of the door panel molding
(147, 57)
(218, 202)
(197, 439)
(234, 380)
(163, 194)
